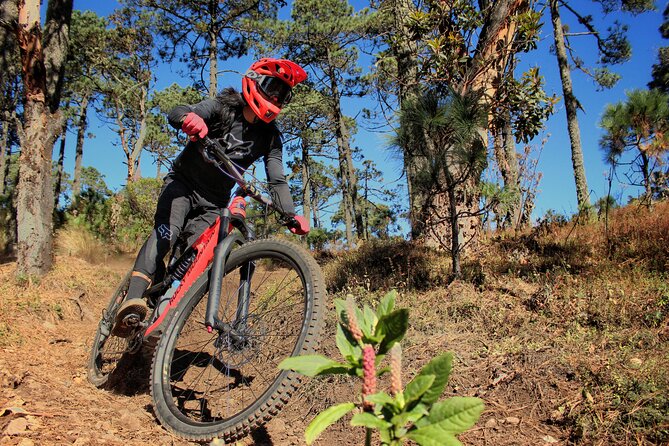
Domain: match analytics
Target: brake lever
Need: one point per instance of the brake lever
(290, 222)
(206, 148)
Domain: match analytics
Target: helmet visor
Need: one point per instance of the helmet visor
(275, 89)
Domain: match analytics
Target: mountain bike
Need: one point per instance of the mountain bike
(229, 308)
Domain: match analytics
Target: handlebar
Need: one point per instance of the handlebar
(214, 152)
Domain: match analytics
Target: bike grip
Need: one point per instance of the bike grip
(292, 223)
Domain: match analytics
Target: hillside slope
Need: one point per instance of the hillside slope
(562, 332)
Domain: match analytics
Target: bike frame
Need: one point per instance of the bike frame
(212, 244)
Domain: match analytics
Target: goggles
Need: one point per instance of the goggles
(273, 87)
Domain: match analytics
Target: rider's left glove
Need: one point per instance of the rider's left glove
(302, 227)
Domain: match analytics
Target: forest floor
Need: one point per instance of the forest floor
(563, 346)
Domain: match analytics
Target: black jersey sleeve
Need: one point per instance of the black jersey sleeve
(208, 110)
(276, 179)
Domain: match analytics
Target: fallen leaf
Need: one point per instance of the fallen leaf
(17, 427)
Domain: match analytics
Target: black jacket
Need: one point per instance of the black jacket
(245, 143)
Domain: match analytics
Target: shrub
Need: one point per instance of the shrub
(387, 264)
(132, 212)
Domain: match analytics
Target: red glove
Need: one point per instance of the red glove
(194, 126)
(238, 206)
(302, 227)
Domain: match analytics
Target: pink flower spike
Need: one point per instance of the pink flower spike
(396, 369)
(369, 375)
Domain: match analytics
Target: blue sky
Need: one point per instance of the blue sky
(556, 190)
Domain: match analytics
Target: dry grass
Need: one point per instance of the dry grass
(77, 241)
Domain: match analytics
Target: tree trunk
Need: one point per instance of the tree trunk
(483, 76)
(35, 193)
(314, 209)
(306, 182)
(346, 199)
(41, 127)
(513, 175)
(60, 165)
(4, 152)
(79, 151)
(9, 14)
(455, 227)
(571, 107)
(505, 154)
(34, 202)
(56, 38)
(352, 179)
(345, 160)
(213, 65)
(213, 52)
(645, 171)
(133, 160)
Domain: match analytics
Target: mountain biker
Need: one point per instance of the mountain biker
(244, 124)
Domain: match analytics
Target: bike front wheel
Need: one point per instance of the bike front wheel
(222, 384)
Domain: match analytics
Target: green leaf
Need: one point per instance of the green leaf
(369, 321)
(440, 368)
(454, 415)
(313, 365)
(346, 346)
(326, 418)
(415, 414)
(387, 304)
(381, 398)
(417, 387)
(430, 439)
(391, 328)
(369, 420)
(384, 436)
(340, 306)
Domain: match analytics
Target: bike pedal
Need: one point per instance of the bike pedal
(131, 320)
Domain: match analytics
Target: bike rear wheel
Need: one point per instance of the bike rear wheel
(207, 385)
(108, 350)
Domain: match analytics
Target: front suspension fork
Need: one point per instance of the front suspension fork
(225, 244)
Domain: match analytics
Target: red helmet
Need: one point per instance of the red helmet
(267, 86)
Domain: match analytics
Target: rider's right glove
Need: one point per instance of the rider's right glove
(194, 126)
(302, 227)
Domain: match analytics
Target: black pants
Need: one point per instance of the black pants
(180, 209)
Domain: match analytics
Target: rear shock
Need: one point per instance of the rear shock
(178, 271)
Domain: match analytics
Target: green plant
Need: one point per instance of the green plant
(364, 338)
